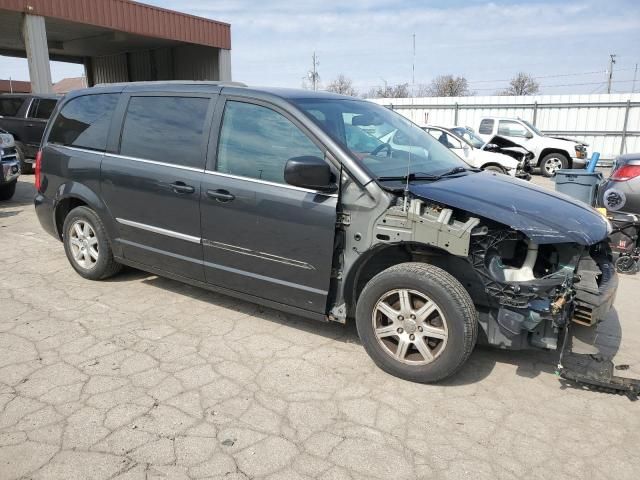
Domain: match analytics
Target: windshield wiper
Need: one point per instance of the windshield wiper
(425, 176)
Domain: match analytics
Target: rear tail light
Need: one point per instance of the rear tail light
(626, 172)
(38, 169)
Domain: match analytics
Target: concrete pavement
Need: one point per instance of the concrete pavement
(142, 377)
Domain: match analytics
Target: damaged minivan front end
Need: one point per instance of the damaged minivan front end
(536, 261)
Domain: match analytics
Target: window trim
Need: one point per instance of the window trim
(123, 108)
(212, 162)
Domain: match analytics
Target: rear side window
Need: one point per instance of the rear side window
(486, 126)
(84, 122)
(42, 108)
(165, 129)
(9, 106)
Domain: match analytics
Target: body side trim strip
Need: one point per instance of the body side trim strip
(258, 254)
(161, 231)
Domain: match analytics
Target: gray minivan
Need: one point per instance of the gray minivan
(261, 194)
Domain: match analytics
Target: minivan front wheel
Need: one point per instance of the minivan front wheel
(417, 322)
(87, 245)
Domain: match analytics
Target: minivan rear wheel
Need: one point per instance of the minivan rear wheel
(417, 322)
(87, 245)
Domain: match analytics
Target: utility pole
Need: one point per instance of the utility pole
(635, 75)
(413, 66)
(313, 73)
(612, 61)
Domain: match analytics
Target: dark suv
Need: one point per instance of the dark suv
(25, 116)
(261, 194)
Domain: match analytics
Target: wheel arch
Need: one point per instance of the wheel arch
(384, 256)
(493, 164)
(71, 195)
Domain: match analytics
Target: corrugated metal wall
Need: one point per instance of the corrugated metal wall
(598, 120)
(186, 62)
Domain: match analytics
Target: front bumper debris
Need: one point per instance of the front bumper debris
(593, 371)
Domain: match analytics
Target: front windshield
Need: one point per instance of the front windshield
(469, 135)
(533, 128)
(388, 144)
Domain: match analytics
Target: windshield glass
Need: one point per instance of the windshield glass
(533, 128)
(469, 135)
(388, 144)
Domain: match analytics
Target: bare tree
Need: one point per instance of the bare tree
(342, 85)
(446, 86)
(389, 91)
(522, 84)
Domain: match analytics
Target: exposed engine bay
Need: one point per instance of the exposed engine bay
(529, 292)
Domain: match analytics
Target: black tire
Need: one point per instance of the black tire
(494, 168)
(24, 166)
(105, 265)
(453, 303)
(552, 162)
(7, 190)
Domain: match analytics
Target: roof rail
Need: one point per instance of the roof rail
(176, 82)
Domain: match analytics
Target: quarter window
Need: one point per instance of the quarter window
(486, 126)
(510, 128)
(256, 142)
(84, 121)
(165, 129)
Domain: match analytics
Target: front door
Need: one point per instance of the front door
(152, 187)
(36, 121)
(260, 235)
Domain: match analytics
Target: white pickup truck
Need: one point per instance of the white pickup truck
(551, 153)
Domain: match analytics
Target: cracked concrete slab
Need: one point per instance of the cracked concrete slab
(141, 377)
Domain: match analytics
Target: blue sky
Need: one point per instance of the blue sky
(370, 41)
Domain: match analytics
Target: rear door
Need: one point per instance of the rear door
(152, 185)
(262, 236)
(11, 109)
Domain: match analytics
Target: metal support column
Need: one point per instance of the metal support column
(35, 42)
(455, 115)
(535, 113)
(623, 141)
(224, 64)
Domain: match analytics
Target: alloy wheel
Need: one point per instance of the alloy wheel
(553, 165)
(410, 326)
(84, 244)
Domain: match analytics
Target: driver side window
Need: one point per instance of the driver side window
(510, 128)
(256, 142)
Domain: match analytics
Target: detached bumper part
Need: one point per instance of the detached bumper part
(594, 299)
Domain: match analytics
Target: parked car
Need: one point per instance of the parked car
(621, 191)
(264, 194)
(25, 116)
(498, 144)
(476, 158)
(550, 153)
(620, 195)
(9, 166)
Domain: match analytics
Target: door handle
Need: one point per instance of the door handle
(181, 187)
(220, 195)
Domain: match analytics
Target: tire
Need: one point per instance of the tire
(449, 322)
(7, 190)
(83, 230)
(24, 166)
(553, 162)
(494, 168)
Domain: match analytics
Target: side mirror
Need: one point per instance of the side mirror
(528, 135)
(309, 172)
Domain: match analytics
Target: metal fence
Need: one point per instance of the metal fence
(610, 124)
